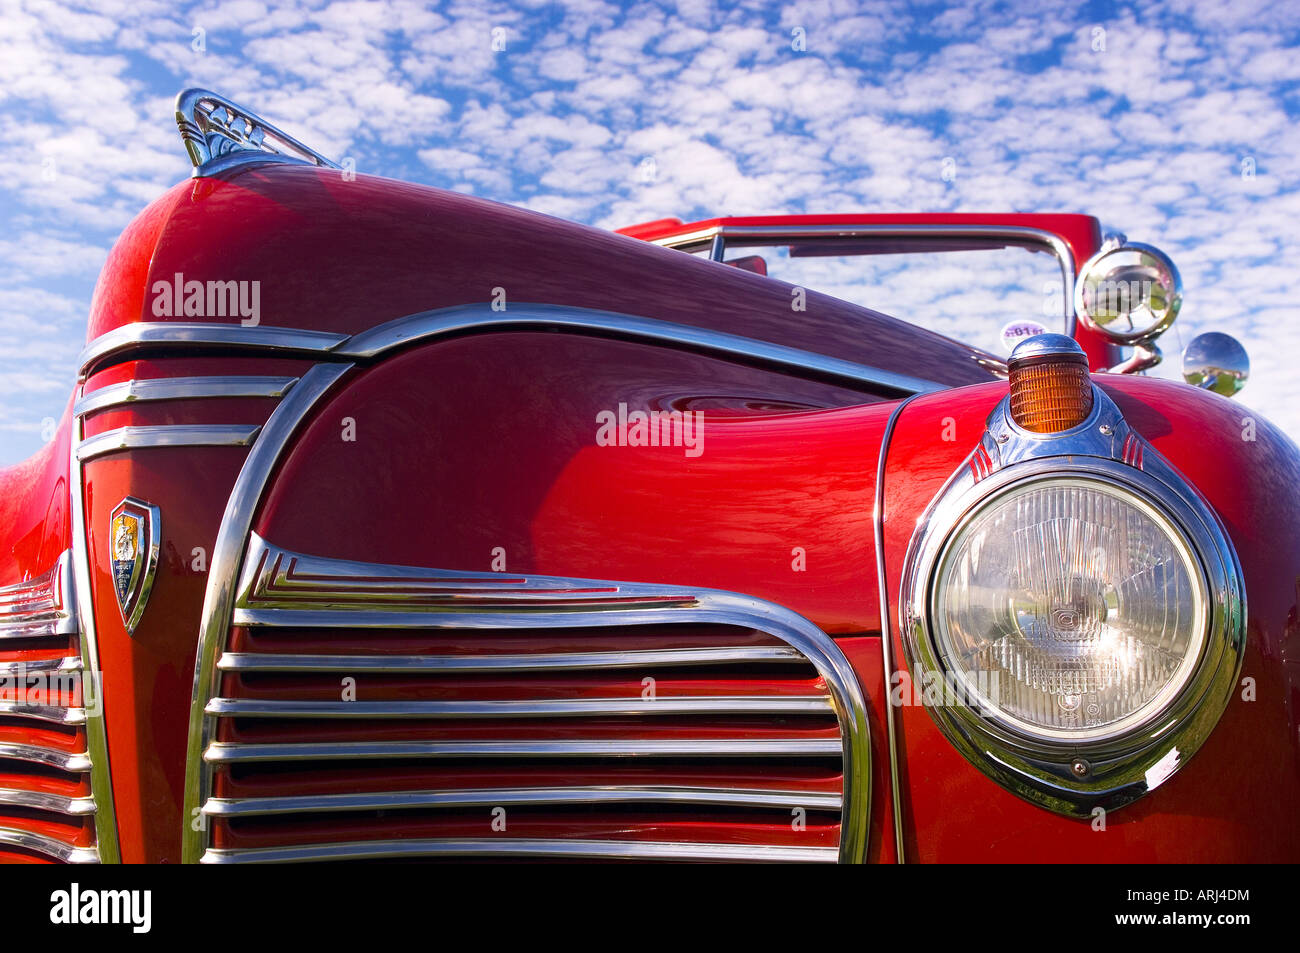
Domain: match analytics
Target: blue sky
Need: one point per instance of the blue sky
(1174, 122)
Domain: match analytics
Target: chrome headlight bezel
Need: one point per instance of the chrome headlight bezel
(1074, 773)
(1150, 261)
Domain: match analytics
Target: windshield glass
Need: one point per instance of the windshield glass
(986, 293)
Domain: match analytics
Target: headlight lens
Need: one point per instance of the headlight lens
(1071, 609)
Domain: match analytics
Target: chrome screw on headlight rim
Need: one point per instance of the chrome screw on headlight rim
(1083, 621)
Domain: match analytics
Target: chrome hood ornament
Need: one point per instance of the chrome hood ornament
(134, 534)
(219, 134)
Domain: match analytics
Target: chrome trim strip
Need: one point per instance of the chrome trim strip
(1059, 246)
(101, 775)
(190, 335)
(488, 797)
(223, 575)
(50, 713)
(557, 661)
(48, 846)
(180, 388)
(516, 847)
(44, 801)
(193, 435)
(277, 585)
(226, 752)
(427, 325)
(541, 708)
(64, 760)
(886, 636)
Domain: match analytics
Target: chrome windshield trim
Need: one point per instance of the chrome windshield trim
(228, 752)
(107, 847)
(192, 435)
(223, 575)
(64, 760)
(460, 318)
(45, 801)
(190, 335)
(558, 661)
(545, 708)
(1024, 234)
(48, 846)
(489, 797)
(180, 388)
(516, 847)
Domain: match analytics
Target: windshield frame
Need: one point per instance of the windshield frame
(715, 238)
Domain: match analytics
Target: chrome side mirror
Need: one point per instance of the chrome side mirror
(1128, 292)
(1217, 362)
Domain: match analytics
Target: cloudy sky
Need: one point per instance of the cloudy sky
(1174, 122)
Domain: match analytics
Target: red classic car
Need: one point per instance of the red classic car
(390, 522)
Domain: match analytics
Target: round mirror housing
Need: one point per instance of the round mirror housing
(1217, 362)
(1128, 292)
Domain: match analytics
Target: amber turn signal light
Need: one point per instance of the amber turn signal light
(1050, 388)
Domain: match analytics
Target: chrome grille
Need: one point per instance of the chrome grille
(47, 807)
(482, 698)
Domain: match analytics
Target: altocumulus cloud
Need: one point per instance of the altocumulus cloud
(1171, 120)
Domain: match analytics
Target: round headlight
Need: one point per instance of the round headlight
(1072, 609)
(1129, 292)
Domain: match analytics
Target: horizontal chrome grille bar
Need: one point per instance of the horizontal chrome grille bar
(518, 847)
(41, 607)
(488, 797)
(189, 335)
(271, 662)
(45, 801)
(196, 435)
(30, 629)
(62, 716)
(69, 663)
(66, 760)
(228, 752)
(483, 615)
(181, 388)
(307, 732)
(549, 708)
(48, 846)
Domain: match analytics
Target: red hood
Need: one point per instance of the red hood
(344, 256)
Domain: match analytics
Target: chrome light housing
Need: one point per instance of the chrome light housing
(1129, 292)
(1074, 611)
(1216, 361)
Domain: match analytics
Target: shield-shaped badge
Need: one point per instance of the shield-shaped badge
(134, 534)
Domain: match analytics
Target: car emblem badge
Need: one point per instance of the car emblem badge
(134, 537)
